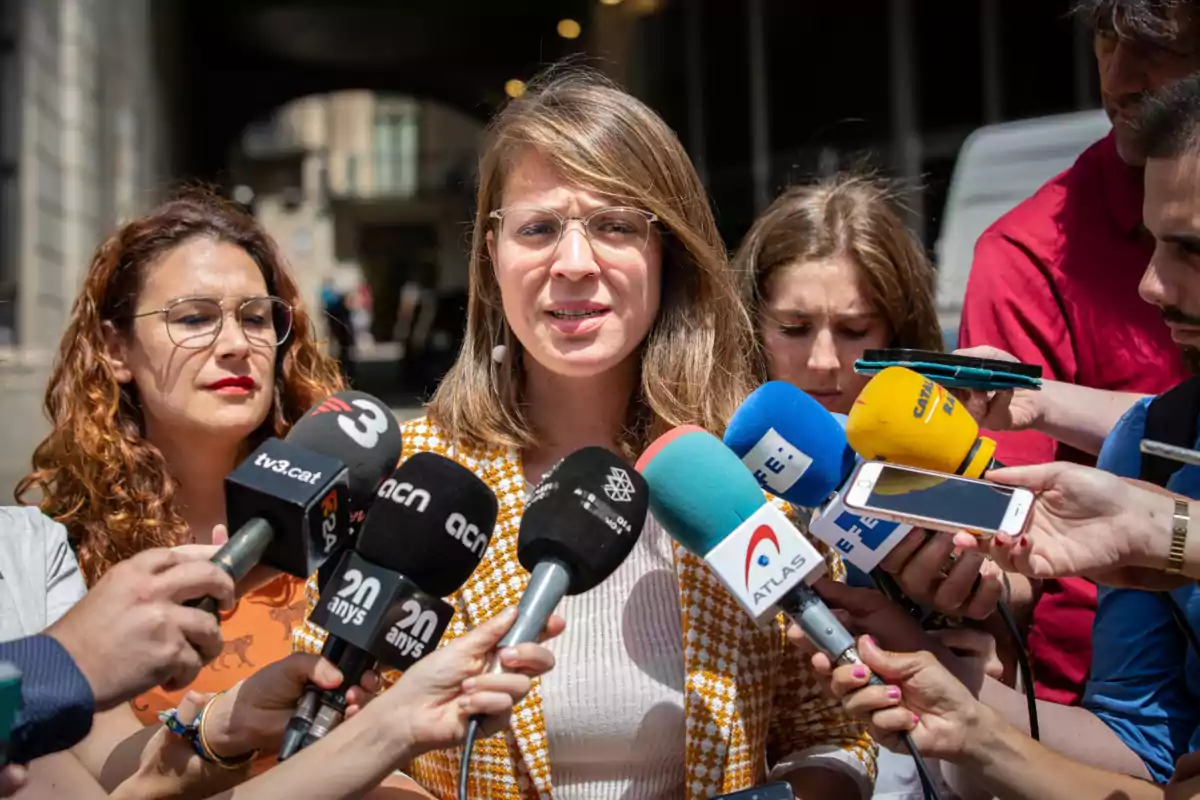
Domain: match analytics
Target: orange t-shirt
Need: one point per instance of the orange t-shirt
(257, 632)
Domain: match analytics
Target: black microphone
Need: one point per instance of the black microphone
(422, 539)
(292, 502)
(581, 522)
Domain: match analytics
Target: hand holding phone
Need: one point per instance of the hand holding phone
(936, 500)
(954, 371)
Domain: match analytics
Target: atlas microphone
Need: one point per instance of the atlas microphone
(290, 501)
(425, 534)
(709, 502)
(579, 525)
(799, 453)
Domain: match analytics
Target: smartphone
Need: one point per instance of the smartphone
(953, 371)
(10, 704)
(772, 791)
(936, 500)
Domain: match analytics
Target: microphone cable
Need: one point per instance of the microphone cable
(928, 784)
(464, 769)
(1024, 666)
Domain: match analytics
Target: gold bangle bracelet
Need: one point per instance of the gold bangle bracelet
(208, 753)
(1179, 534)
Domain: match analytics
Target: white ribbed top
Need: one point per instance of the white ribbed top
(613, 704)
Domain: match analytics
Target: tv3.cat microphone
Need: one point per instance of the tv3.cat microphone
(289, 503)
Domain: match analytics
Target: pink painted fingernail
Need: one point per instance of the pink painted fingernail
(860, 672)
(893, 692)
(916, 720)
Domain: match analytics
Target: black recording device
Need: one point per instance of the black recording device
(426, 533)
(292, 501)
(580, 524)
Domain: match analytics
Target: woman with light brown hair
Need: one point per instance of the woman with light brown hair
(830, 270)
(602, 311)
(187, 346)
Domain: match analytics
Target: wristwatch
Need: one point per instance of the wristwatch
(1179, 532)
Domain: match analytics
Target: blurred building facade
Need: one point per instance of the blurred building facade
(83, 116)
(360, 186)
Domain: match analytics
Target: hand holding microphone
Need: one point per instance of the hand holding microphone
(290, 502)
(422, 539)
(918, 698)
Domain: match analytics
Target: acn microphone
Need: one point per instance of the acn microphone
(710, 503)
(425, 534)
(579, 525)
(289, 502)
(779, 426)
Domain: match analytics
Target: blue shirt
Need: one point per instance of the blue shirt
(1145, 680)
(57, 701)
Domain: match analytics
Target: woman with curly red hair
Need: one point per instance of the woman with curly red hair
(187, 347)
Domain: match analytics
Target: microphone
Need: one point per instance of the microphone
(580, 523)
(422, 539)
(291, 500)
(908, 419)
(791, 443)
(710, 503)
(779, 426)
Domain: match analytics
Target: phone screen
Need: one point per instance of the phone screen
(980, 506)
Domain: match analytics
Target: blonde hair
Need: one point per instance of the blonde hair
(856, 216)
(694, 365)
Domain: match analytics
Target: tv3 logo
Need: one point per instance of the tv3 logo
(364, 429)
(412, 632)
(356, 597)
(329, 509)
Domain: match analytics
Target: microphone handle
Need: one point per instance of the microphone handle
(333, 701)
(306, 710)
(238, 556)
(808, 610)
(548, 583)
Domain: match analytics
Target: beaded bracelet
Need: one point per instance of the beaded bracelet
(193, 733)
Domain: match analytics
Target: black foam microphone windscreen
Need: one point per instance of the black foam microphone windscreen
(360, 431)
(587, 513)
(446, 514)
(423, 537)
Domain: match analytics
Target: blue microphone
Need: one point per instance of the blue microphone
(794, 447)
(798, 451)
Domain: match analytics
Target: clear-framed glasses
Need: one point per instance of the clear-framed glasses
(617, 231)
(195, 322)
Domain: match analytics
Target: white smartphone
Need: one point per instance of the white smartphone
(936, 500)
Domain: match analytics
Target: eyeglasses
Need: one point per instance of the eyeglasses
(195, 322)
(616, 231)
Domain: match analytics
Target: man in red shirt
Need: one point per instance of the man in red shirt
(1055, 282)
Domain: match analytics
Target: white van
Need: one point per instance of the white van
(998, 167)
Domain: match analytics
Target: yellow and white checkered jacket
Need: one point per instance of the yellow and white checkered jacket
(751, 699)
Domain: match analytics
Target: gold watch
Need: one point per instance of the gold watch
(1179, 532)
